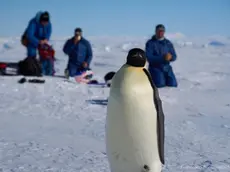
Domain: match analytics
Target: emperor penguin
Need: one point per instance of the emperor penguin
(135, 119)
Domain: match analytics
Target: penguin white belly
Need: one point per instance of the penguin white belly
(131, 126)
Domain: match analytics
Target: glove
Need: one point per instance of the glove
(85, 65)
(42, 42)
(168, 57)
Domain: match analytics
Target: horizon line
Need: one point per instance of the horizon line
(174, 35)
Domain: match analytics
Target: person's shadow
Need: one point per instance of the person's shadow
(102, 102)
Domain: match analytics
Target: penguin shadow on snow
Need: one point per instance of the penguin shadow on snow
(102, 102)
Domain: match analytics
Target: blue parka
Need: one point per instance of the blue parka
(159, 68)
(78, 53)
(36, 31)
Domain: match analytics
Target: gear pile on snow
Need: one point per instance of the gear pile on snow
(84, 77)
(31, 67)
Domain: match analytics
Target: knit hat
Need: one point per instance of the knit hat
(160, 26)
(136, 57)
(78, 30)
(44, 17)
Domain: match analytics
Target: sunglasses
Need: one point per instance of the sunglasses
(78, 33)
(161, 30)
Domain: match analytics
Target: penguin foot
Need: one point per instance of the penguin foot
(145, 168)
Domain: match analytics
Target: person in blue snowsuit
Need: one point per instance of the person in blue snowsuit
(38, 33)
(160, 53)
(80, 54)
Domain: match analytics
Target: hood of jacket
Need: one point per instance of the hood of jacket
(38, 15)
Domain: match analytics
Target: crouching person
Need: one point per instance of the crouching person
(80, 54)
(37, 33)
(36, 37)
(160, 54)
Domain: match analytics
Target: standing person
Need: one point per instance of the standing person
(80, 54)
(160, 52)
(47, 53)
(37, 34)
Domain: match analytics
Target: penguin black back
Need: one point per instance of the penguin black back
(160, 117)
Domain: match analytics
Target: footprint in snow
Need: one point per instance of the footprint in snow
(194, 113)
(205, 165)
(197, 114)
(225, 126)
(188, 125)
(170, 100)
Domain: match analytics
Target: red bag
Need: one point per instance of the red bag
(46, 52)
(3, 65)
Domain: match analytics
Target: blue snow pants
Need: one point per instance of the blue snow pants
(47, 67)
(163, 76)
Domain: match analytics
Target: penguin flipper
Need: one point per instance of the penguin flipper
(160, 117)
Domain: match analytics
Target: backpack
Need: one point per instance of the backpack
(24, 39)
(30, 66)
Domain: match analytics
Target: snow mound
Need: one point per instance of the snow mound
(129, 45)
(126, 47)
(216, 44)
(6, 47)
(184, 43)
(175, 35)
(107, 49)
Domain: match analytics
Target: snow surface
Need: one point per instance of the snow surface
(59, 126)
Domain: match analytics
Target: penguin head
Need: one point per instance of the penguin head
(136, 58)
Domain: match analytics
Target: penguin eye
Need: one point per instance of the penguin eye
(138, 55)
